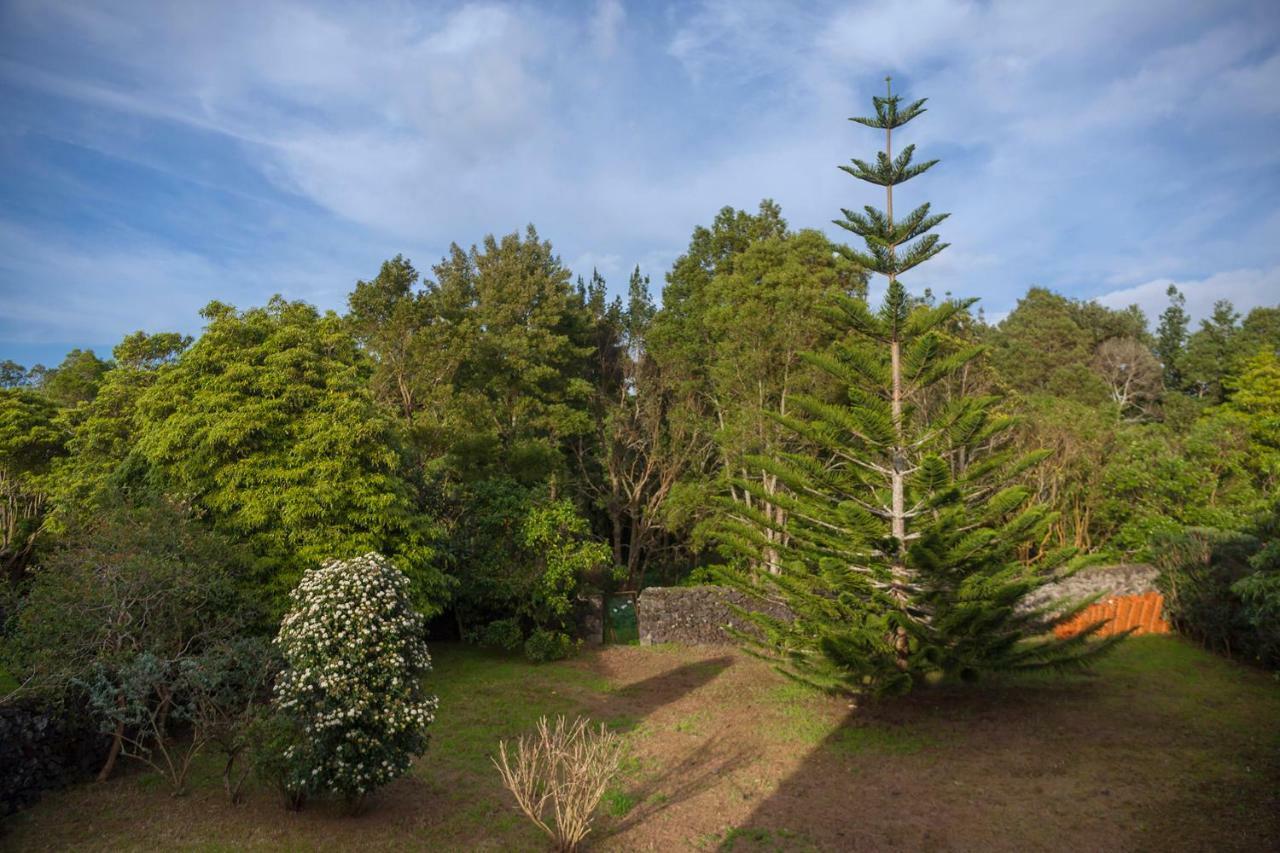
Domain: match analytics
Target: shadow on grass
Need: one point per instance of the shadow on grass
(627, 707)
(698, 771)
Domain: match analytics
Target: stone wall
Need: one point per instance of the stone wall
(695, 615)
(43, 748)
(1123, 579)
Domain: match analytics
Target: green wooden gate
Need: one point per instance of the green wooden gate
(620, 625)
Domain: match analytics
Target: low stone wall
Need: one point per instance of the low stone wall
(43, 748)
(1109, 581)
(698, 615)
(695, 615)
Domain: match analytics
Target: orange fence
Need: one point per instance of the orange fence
(1144, 612)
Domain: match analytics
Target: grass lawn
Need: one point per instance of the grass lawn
(1164, 747)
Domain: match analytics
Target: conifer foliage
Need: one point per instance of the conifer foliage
(906, 540)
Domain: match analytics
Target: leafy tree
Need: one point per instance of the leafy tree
(76, 379)
(31, 438)
(1081, 440)
(648, 434)
(521, 395)
(391, 319)
(739, 310)
(1049, 344)
(522, 560)
(102, 462)
(268, 426)
(1210, 352)
(12, 374)
(900, 558)
(1171, 338)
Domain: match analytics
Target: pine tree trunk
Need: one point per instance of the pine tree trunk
(897, 477)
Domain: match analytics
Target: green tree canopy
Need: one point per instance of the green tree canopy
(268, 425)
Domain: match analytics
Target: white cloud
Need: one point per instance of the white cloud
(1244, 288)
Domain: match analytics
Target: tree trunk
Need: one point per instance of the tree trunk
(117, 741)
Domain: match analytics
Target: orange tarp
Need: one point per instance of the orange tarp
(1143, 612)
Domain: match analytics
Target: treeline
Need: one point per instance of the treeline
(509, 434)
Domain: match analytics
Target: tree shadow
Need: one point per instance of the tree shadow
(629, 706)
(948, 767)
(699, 770)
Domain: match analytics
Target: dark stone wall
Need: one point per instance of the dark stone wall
(44, 747)
(696, 615)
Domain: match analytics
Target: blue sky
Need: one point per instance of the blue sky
(156, 156)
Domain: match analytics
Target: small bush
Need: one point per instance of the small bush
(558, 774)
(355, 658)
(275, 738)
(502, 634)
(544, 646)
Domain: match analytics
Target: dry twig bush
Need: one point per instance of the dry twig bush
(558, 773)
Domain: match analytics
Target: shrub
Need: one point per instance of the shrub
(274, 738)
(1259, 595)
(567, 766)
(523, 560)
(355, 657)
(544, 646)
(132, 593)
(503, 634)
(216, 695)
(1218, 592)
(232, 686)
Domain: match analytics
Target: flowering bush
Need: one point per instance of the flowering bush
(355, 656)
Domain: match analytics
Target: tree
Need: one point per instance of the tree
(901, 551)
(355, 659)
(647, 436)
(31, 438)
(12, 374)
(102, 460)
(1171, 338)
(1210, 352)
(1132, 375)
(1049, 344)
(521, 395)
(268, 426)
(76, 379)
(390, 318)
(739, 309)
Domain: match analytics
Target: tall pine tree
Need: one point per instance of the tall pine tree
(906, 544)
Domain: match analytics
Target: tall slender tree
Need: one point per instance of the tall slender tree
(1171, 338)
(904, 535)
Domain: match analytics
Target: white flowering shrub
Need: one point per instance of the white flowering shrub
(355, 657)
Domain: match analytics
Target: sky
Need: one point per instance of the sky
(156, 156)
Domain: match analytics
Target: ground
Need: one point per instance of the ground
(1163, 747)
